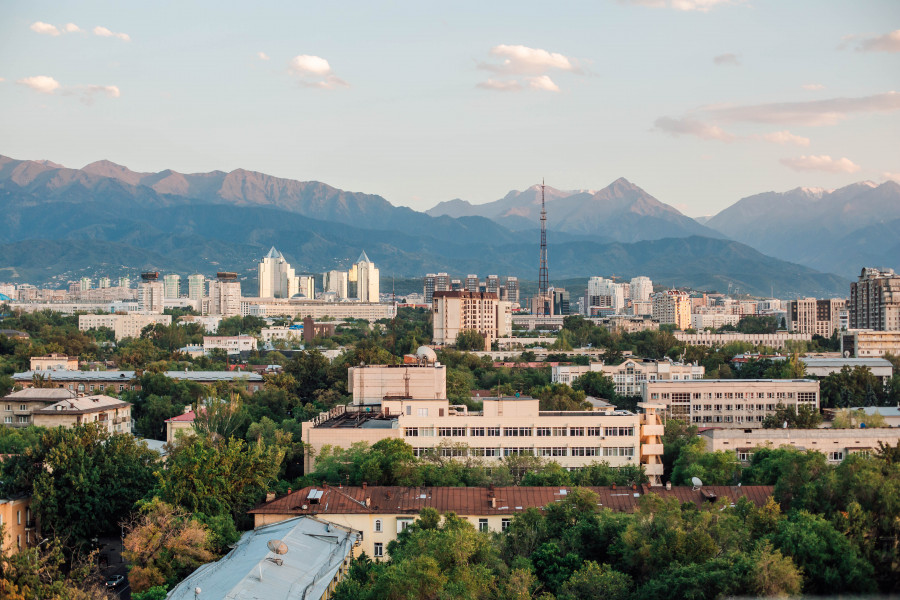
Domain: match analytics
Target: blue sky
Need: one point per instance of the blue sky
(700, 102)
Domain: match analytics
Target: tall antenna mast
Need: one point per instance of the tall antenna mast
(543, 271)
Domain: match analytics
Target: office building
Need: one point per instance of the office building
(276, 277)
(560, 301)
(512, 290)
(172, 285)
(306, 286)
(366, 277)
(875, 301)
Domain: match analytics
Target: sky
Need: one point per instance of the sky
(699, 102)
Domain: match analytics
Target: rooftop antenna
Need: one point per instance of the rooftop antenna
(697, 483)
(543, 271)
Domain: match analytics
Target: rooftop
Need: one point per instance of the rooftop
(850, 362)
(734, 381)
(88, 376)
(187, 417)
(45, 394)
(805, 434)
(478, 500)
(82, 405)
(315, 550)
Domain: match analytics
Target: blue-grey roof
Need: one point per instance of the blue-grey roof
(88, 376)
(273, 253)
(363, 258)
(315, 551)
(850, 362)
(884, 411)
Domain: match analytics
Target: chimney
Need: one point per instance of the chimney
(668, 485)
(634, 486)
(368, 501)
(614, 486)
(493, 502)
(289, 492)
(364, 485)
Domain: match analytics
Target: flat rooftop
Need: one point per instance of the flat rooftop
(88, 376)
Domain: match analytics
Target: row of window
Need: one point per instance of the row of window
(451, 452)
(685, 396)
(518, 431)
(728, 419)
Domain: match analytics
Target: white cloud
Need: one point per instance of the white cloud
(2, 79)
(811, 113)
(821, 163)
(543, 83)
(691, 126)
(687, 5)
(727, 60)
(813, 87)
(72, 28)
(110, 90)
(44, 28)
(40, 83)
(501, 86)
(522, 60)
(889, 42)
(314, 71)
(104, 32)
(262, 56)
(891, 176)
(785, 137)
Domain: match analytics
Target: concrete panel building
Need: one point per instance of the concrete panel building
(460, 311)
(771, 340)
(123, 326)
(835, 444)
(730, 403)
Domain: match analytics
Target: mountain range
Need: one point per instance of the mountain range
(105, 219)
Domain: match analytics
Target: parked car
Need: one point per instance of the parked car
(115, 581)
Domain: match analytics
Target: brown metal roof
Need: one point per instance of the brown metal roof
(478, 500)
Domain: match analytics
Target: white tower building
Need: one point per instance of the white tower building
(276, 276)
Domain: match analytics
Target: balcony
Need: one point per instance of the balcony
(648, 430)
(651, 449)
(653, 469)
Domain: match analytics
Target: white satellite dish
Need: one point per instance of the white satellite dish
(697, 483)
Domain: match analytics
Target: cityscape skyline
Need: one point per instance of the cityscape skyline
(750, 92)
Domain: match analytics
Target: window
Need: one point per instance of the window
(377, 525)
(744, 455)
(518, 452)
(7, 420)
(23, 407)
(718, 407)
(482, 524)
(836, 456)
(680, 396)
(18, 517)
(504, 524)
(477, 431)
(412, 432)
(422, 412)
(493, 431)
(517, 431)
(583, 451)
(542, 431)
(444, 432)
(806, 396)
(403, 523)
(492, 451)
(618, 431)
(576, 431)
(379, 549)
(594, 431)
(458, 431)
(560, 431)
(619, 451)
(426, 431)
(409, 410)
(23, 419)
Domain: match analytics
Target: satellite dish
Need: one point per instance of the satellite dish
(277, 546)
(696, 481)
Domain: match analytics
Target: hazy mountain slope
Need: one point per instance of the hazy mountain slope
(839, 231)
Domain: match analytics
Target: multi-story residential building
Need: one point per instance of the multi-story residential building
(210, 324)
(224, 296)
(18, 524)
(712, 318)
(672, 307)
(16, 408)
(123, 326)
(232, 344)
(196, 287)
(866, 343)
(306, 286)
(472, 283)
(317, 309)
(436, 283)
(124, 282)
(771, 340)
(54, 361)
(604, 294)
(84, 284)
(151, 293)
(97, 381)
(737, 403)
(336, 282)
(492, 285)
(111, 413)
(631, 375)
(511, 290)
(104, 283)
(172, 285)
(875, 300)
(366, 278)
(460, 311)
(816, 317)
(835, 444)
(640, 288)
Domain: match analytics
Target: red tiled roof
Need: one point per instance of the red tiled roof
(477, 500)
(185, 417)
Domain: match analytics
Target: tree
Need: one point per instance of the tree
(596, 384)
(593, 581)
(712, 468)
(469, 339)
(804, 418)
(164, 544)
(219, 418)
(83, 480)
(847, 418)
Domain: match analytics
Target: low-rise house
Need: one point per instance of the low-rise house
(54, 361)
(380, 513)
(17, 408)
(302, 558)
(17, 520)
(111, 413)
(182, 422)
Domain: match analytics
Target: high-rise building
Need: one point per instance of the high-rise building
(151, 293)
(512, 290)
(816, 317)
(367, 279)
(560, 301)
(196, 286)
(604, 294)
(276, 277)
(460, 311)
(336, 282)
(492, 284)
(306, 285)
(472, 283)
(224, 296)
(172, 283)
(641, 288)
(875, 301)
(435, 283)
(672, 307)
(124, 282)
(84, 284)
(104, 283)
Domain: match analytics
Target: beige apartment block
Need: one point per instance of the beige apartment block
(18, 523)
(381, 513)
(770, 340)
(374, 383)
(815, 317)
(232, 344)
(672, 307)
(17, 408)
(111, 413)
(54, 361)
(730, 403)
(630, 376)
(507, 426)
(224, 297)
(123, 326)
(713, 318)
(835, 444)
(867, 343)
(460, 311)
(317, 309)
(875, 300)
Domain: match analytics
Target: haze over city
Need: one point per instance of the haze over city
(700, 102)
